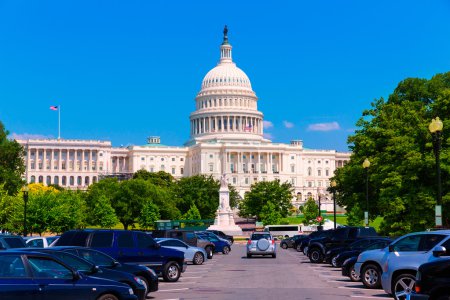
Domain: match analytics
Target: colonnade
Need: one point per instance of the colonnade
(238, 124)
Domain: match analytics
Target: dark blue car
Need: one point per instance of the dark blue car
(221, 245)
(28, 275)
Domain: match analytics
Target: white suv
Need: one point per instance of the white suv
(261, 243)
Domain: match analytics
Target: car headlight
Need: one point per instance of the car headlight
(138, 280)
(130, 291)
(418, 276)
(151, 271)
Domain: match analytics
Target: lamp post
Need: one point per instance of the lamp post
(333, 189)
(366, 165)
(435, 128)
(25, 201)
(319, 218)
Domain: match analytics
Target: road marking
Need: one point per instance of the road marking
(182, 277)
(370, 297)
(172, 290)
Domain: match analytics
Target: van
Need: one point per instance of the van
(128, 246)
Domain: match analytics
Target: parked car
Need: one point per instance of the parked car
(350, 257)
(128, 246)
(220, 245)
(221, 234)
(433, 281)
(340, 237)
(40, 241)
(24, 274)
(397, 264)
(187, 236)
(289, 242)
(302, 243)
(90, 269)
(195, 255)
(148, 276)
(261, 243)
(11, 241)
(334, 257)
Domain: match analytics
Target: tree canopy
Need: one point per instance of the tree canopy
(12, 165)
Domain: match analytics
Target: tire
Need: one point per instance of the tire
(146, 285)
(198, 258)
(284, 246)
(403, 286)
(305, 250)
(226, 250)
(334, 262)
(298, 248)
(371, 276)
(274, 255)
(209, 252)
(352, 274)
(171, 272)
(249, 255)
(315, 256)
(107, 297)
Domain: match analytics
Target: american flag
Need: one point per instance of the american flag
(248, 127)
(53, 107)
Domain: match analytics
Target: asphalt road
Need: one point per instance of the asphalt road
(289, 276)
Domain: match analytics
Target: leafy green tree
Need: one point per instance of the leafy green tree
(393, 134)
(12, 164)
(160, 178)
(8, 206)
(68, 211)
(279, 194)
(102, 214)
(149, 215)
(192, 214)
(270, 215)
(310, 211)
(201, 191)
(355, 216)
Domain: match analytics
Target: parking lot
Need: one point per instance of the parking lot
(290, 275)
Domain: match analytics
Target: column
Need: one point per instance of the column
(90, 161)
(52, 159)
(60, 160)
(269, 170)
(75, 159)
(221, 121)
(258, 167)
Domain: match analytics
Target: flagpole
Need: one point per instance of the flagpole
(59, 122)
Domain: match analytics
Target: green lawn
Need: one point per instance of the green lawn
(340, 219)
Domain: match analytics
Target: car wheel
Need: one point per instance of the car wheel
(315, 256)
(144, 282)
(249, 256)
(284, 246)
(171, 272)
(334, 261)
(403, 286)
(107, 297)
(274, 255)
(209, 252)
(353, 276)
(305, 251)
(298, 248)
(371, 276)
(198, 258)
(226, 250)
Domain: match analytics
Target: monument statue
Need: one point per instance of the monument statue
(223, 181)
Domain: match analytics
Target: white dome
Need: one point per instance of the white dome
(226, 74)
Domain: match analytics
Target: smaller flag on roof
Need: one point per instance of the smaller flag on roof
(53, 107)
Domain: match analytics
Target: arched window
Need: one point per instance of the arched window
(327, 172)
(94, 179)
(56, 180)
(64, 181)
(309, 196)
(86, 180)
(309, 171)
(48, 180)
(33, 179)
(319, 172)
(72, 180)
(79, 180)
(299, 196)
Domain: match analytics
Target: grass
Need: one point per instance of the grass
(340, 219)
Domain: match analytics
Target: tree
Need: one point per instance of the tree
(149, 215)
(270, 215)
(102, 214)
(201, 191)
(160, 178)
(393, 134)
(192, 214)
(12, 164)
(8, 205)
(279, 194)
(310, 211)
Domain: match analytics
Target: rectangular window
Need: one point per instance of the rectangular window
(292, 169)
(102, 239)
(211, 167)
(40, 166)
(125, 240)
(173, 171)
(32, 166)
(181, 171)
(234, 180)
(246, 180)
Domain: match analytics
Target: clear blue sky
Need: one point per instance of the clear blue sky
(124, 70)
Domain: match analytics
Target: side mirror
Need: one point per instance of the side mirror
(116, 263)
(95, 269)
(156, 246)
(391, 248)
(76, 275)
(439, 251)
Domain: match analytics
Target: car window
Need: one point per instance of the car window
(428, 241)
(340, 233)
(96, 257)
(51, 239)
(179, 244)
(446, 245)
(190, 236)
(377, 245)
(37, 243)
(256, 237)
(144, 240)
(43, 267)
(125, 240)
(74, 261)
(408, 244)
(102, 239)
(15, 242)
(11, 266)
(360, 244)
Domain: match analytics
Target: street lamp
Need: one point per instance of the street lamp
(319, 218)
(25, 201)
(435, 128)
(366, 165)
(333, 189)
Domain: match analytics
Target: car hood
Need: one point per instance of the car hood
(376, 254)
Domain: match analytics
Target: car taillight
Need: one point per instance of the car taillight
(273, 242)
(249, 242)
(418, 289)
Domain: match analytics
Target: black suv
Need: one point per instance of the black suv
(433, 281)
(301, 243)
(340, 237)
(127, 246)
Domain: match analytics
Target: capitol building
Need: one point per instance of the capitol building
(226, 137)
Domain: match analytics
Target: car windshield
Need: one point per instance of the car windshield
(74, 261)
(96, 257)
(256, 237)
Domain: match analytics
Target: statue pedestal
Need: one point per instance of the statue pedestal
(224, 220)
